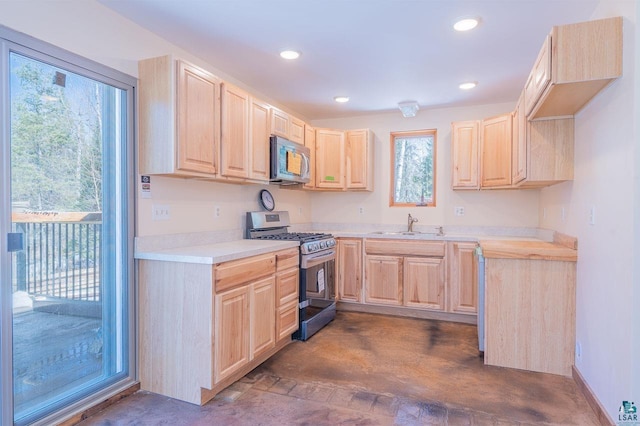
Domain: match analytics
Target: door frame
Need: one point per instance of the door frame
(12, 41)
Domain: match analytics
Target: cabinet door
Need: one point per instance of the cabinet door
(383, 280)
(329, 159)
(235, 132)
(263, 316)
(296, 130)
(463, 278)
(539, 78)
(358, 156)
(231, 332)
(464, 154)
(259, 140)
(198, 119)
(349, 266)
(287, 322)
(424, 282)
(496, 151)
(310, 142)
(287, 286)
(519, 143)
(279, 123)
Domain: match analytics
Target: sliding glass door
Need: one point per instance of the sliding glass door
(67, 213)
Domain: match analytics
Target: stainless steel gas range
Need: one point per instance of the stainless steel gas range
(317, 306)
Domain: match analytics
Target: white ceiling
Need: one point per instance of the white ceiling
(377, 52)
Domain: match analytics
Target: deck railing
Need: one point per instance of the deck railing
(61, 258)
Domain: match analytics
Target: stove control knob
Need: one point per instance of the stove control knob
(314, 246)
(322, 244)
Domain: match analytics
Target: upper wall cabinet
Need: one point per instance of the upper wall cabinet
(576, 62)
(234, 152)
(464, 154)
(287, 126)
(330, 159)
(244, 145)
(495, 152)
(343, 160)
(359, 160)
(179, 108)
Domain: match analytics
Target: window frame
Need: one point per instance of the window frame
(392, 161)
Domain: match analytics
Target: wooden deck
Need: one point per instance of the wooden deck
(53, 352)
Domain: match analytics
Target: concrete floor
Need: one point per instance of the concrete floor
(365, 369)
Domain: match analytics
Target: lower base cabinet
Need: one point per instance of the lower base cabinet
(424, 279)
(409, 276)
(202, 327)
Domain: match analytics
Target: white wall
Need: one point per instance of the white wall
(606, 177)
(509, 208)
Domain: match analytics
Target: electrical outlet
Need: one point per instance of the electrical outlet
(544, 212)
(578, 351)
(458, 211)
(592, 215)
(563, 215)
(216, 211)
(361, 210)
(160, 212)
(300, 211)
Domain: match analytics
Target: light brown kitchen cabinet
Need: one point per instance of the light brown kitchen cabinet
(349, 268)
(231, 335)
(179, 119)
(462, 277)
(263, 321)
(465, 143)
(259, 140)
(279, 123)
(296, 130)
(424, 282)
(518, 143)
(495, 157)
(359, 160)
(226, 319)
(287, 290)
(235, 139)
(539, 77)
(330, 159)
(383, 278)
(310, 142)
(576, 62)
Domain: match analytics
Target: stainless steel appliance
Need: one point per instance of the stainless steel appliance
(290, 162)
(317, 306)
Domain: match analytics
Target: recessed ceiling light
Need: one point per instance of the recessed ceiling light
(465, 24)
(468, 85)
(290, 54)
(341, 99)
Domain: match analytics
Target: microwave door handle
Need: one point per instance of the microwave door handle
(307, 166)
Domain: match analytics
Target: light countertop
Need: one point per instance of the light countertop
(519, 249)
(210, 254)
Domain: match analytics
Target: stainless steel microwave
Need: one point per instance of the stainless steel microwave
(290, 161)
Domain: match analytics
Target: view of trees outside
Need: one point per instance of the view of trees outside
(413, 169)
(56, 147)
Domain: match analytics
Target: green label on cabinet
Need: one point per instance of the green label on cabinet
(331, 178)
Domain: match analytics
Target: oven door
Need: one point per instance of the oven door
(317, 275)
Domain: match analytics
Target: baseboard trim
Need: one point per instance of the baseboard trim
(594, 403)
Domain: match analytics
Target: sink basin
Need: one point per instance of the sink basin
(432, 234)
(401, 233)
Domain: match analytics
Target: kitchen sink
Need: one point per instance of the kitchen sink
(402, 233)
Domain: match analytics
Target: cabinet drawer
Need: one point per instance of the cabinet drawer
(287, 259)
(233, 273)
(287, 321)
(405, 247)
(287, 284)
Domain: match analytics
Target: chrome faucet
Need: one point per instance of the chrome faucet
(440, 231)
(410, 222)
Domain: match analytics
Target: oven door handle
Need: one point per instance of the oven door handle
(310, 261)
